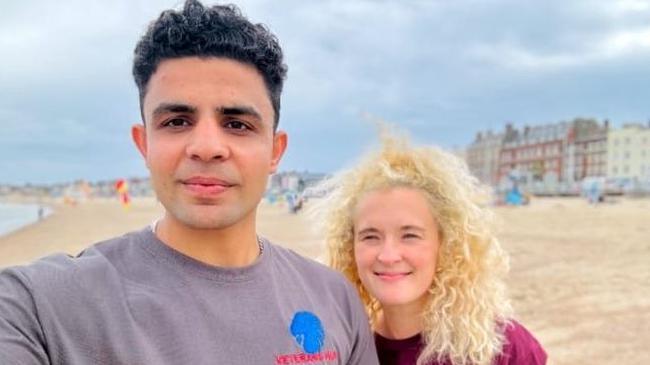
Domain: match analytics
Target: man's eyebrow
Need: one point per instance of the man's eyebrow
(173, 108)
(240, 110)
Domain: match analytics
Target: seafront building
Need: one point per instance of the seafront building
(588, 150)
(629, 157)
(535, 156)
(558, 158)
(482, 156)
(292, 181)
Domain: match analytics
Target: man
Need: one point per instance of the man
(199, 286)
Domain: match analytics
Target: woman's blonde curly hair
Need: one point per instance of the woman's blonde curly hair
(468, 307)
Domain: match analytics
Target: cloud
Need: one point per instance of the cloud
(623, 8)
(630, 42)
(616, 45)
(441, 69)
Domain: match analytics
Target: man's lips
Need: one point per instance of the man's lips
(206, 185)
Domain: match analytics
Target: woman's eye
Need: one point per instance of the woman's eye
(411, 236)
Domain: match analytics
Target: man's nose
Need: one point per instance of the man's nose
(208, 141)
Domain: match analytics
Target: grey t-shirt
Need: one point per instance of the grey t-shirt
(133, 300)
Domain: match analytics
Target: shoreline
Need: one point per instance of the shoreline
(48, 210)
(71, 228)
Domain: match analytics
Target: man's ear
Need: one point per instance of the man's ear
(139, 135)
(279, 146)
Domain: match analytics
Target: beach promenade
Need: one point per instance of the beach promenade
(580, 278)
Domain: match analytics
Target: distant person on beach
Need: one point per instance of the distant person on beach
(199, 286)
(594, 191)
(410, 228)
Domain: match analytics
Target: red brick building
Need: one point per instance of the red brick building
(534, 154)
(588, 155)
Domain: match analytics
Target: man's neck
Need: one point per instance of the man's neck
(234, 246)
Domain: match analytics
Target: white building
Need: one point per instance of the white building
(482, 156)
(628, 157)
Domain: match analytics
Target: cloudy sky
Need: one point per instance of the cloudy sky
(442, 70)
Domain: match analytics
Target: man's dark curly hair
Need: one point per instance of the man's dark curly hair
(215, 31)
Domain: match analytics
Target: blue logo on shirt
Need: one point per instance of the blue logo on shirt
(308, 331)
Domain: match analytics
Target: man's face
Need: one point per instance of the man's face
(208, 140)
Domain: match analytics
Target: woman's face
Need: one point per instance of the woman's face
(396, 241)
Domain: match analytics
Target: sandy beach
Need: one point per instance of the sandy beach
(580, 275)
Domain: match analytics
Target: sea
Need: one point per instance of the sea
(15, 216)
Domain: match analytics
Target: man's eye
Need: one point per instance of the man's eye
(176, 122)
(235, 124)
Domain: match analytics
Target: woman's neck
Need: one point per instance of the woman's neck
(400, 322)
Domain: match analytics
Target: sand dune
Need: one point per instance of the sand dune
(580, 277)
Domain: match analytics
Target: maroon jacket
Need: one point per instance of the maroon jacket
(521, 348)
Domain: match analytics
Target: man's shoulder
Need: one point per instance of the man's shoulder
(51, 272)
(310, 271)
(305, 265)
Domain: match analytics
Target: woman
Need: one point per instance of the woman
(411, 229)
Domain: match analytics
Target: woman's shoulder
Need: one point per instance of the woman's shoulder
(520, 347)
